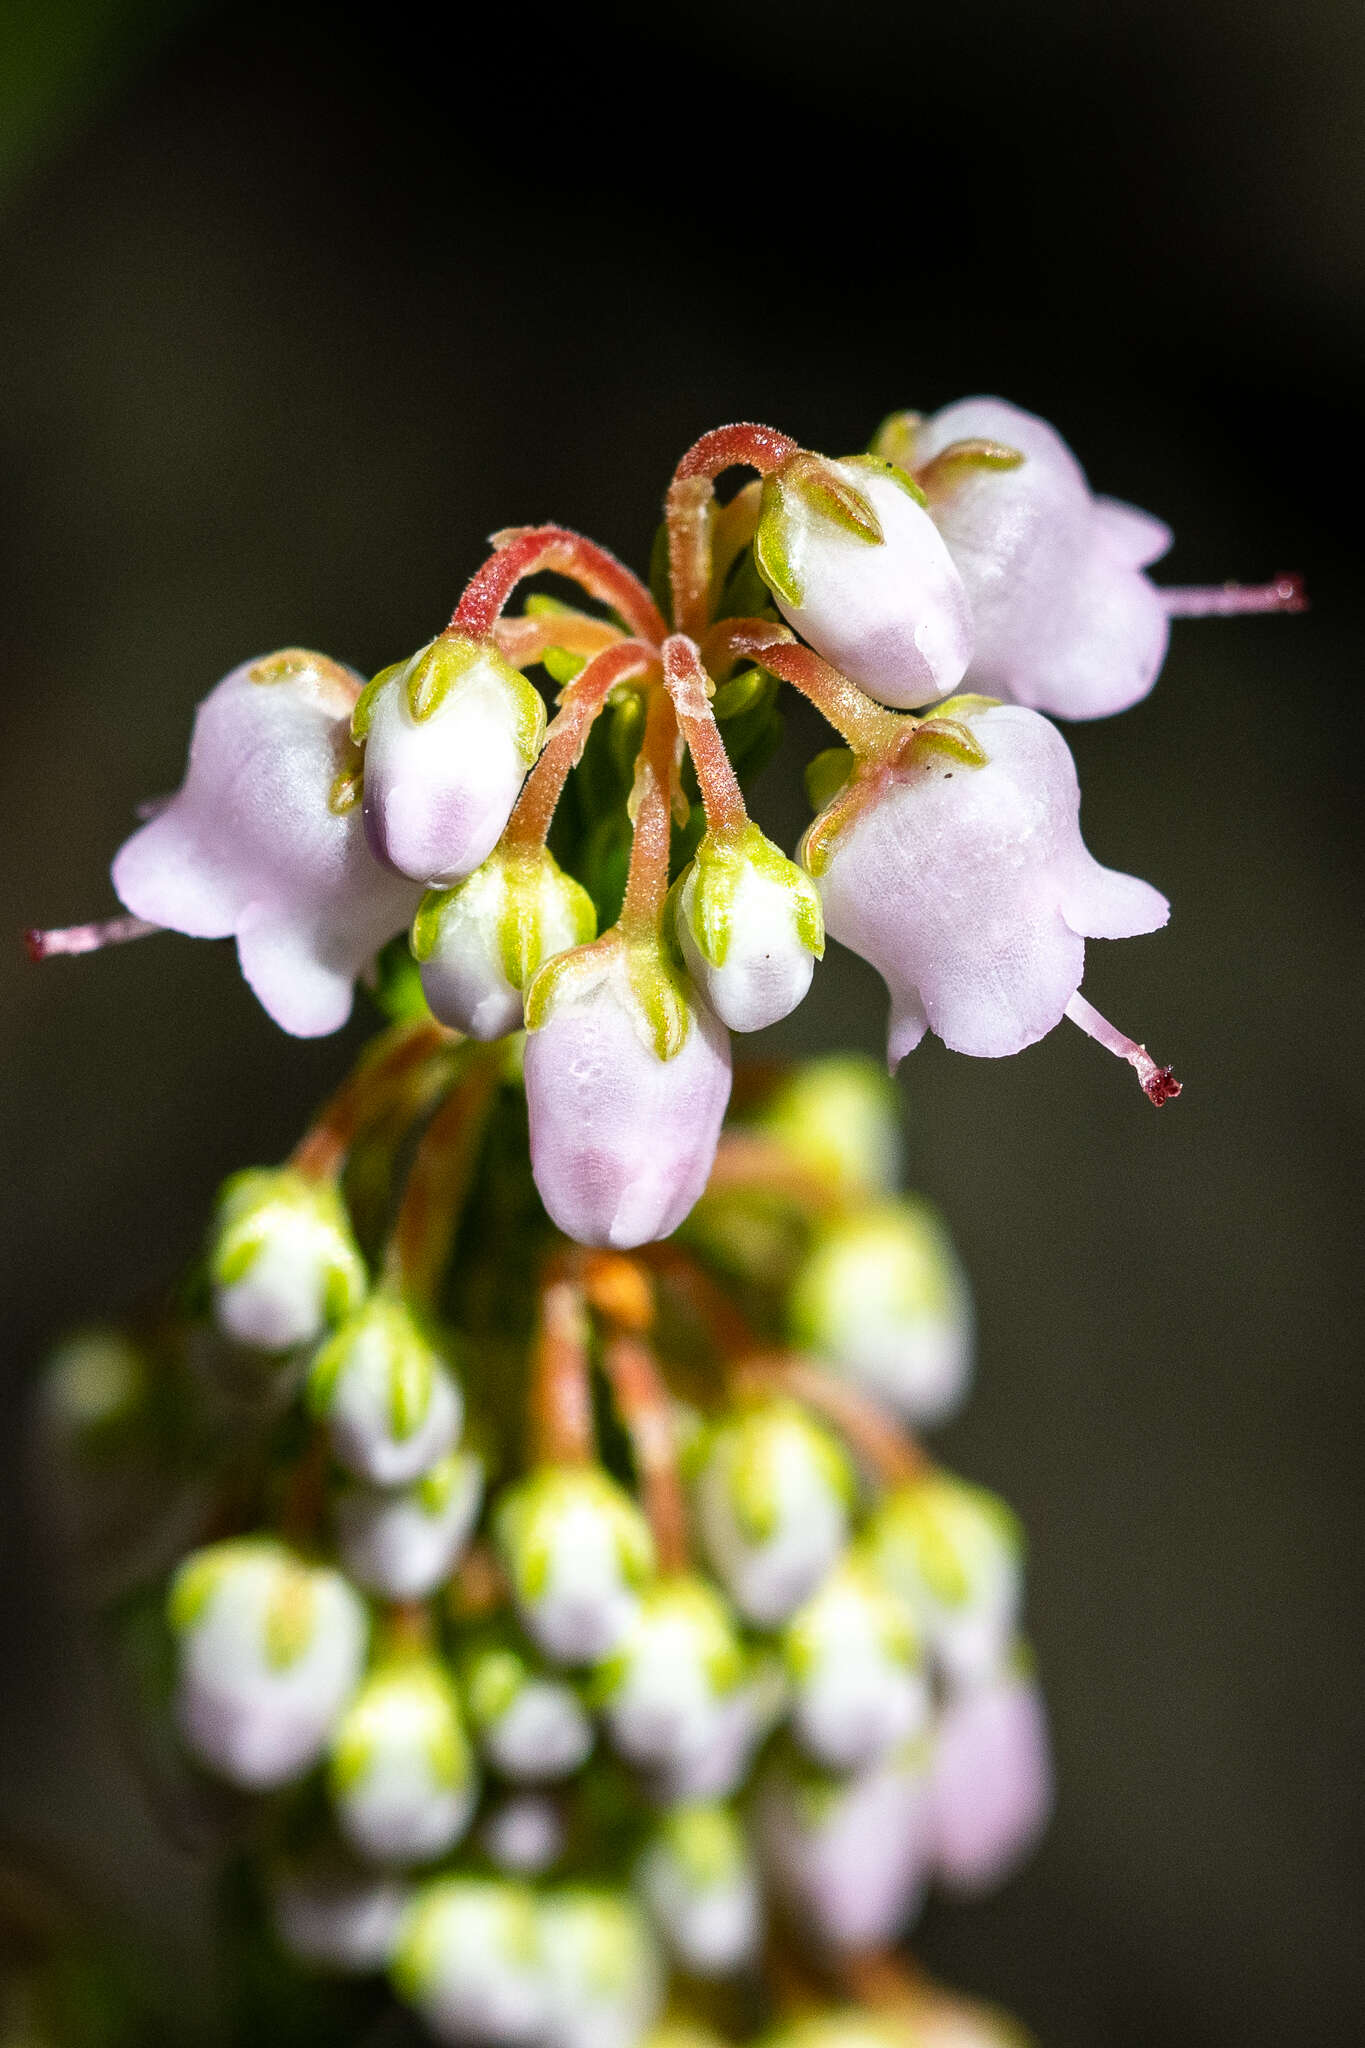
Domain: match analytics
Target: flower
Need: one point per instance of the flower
(449, 735)
(401, 1774)
(882, 1298)
(698, 1881)
(858, 567)
(524, 1835)
(954, 1554)
(970, 890)
(603, 1978)
(531, 1728)
(773, 1491)
(991, 1780)
(1066, 621)
(851, 1854)
(479, 944)
(391, 1405)
(468, 1958)
(626, 1085)
(270, 1650)
(856, 1669)
(750, 927)
(662, 1690)
(283, 1261)
(263, 842)
(404, 1542)
(577, 1551)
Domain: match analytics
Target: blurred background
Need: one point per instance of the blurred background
(297, 307)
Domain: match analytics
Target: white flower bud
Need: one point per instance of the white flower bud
(849, 1854)
(263, 842)
(334, 1915)
(991, 1780)
(532, 1729)
(841, 1117)
(718, 1762)
(604, 1983)
(283, 1261)
(662, 1689)
(449, 735)
(773, 1493)
(391, 1405)
(954, 1554)
(751, 929)
(479, 944)
(858, 567)
(858, 1683)
(401, 1773)
(468, 1958)
(882, 1298)
(699, 1884)
(404, 1542)
(524, 1835)
(270, 1651)
(626, 1085)
(577, 1551)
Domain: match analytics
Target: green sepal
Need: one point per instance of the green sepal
(410, 1362)
(894, 440)
(878, 465)
(442, 1737)
(720, 869)
(826, 773)
(363, 714)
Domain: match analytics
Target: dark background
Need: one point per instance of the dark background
(295, 312)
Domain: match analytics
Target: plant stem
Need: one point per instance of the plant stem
(888, 1451)
(689, 507)
(559, 1402)
(686, 681)
(643, 1403)
(526, 551)
(378, 1076)
(580, 704)
(652, 813)
(439, 1180)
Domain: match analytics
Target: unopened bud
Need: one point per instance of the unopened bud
(604, 1982)
(991, 1779)
(283, 1260)
(851, 1855)
(717, 1764)
(840, 1116)
(333, 1914)
(479, 944)
(773, 1493)
(663, 1688)
(858, 1683)
(577, 1551)
(524, 1835)
(391, 1405)
(531, 1728)
(402, 1776)
(954, 1554)
(468, 1958)
(699, 1884)
(751, 929)
(404, 1542)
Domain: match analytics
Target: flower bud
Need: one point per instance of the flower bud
(626, 1085)
(401, 1773)
(699, 1884)
(849, 1854)
(468, 1958)
(263, 842)
(716, 1764)
(773, 1493)
(970, 890)
(1065, 619)
(402, 1543)
(750, 927)
(840, 1117)
(449, 735)
(524, 1835)
(954, 1554)
(604, 1983)
(577, 1551)
(990, 1780)
(270, 1650)
(283, 1261)
(390, 1403)
(333, 1914)
(858, 1683)
(882, 1298)
(858, 567)
(531, 1728)
(479, 944)
(662, 1688)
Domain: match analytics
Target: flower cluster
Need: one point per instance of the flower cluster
(934, 597)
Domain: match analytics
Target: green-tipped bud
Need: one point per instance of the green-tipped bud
(856, 1670)
(283, 1261)
(840, 1117)
(403, 1542)
(773, 1494)
(701, 1889)
(578, 1552)
(954, 1554)
(882, 1297)
(468, 1958)
(401, 1773)
(390, 1401)
(751, 928)
(479, 944)
(531, 1728)
(603, 1977)
(664, 1691)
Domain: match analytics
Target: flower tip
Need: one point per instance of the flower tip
(1161, 1086)
(35, 943)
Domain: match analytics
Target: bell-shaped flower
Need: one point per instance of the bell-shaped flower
(663, 1688)
(840, 1117)
(391, 1404)
(954, 1554)
(698, 1881)
(773, 1493)
(577, 1551)
(532, 1729)
(523, 1835)
(970, 890)
(403, 1542)
(283, 1260)
(1066, 621)
(269, 1651)
(881, 1296)
(331, 1913)
(603, 1976)
(479, 945)
(750, 927)
(848, 1855)
(859, 568)
(859, 1687)
(468, 1959)
(627, 1079)
(449, 735)
(263, 842)
(401, 1771)
(990, 1780)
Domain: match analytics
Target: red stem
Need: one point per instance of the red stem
(529, 550)
(866, 726)
(688, 509)
(888, 1450)
(378, 1076)
(686, 682)
(560, 1399)
(647, 876)
(645, 1408)
(579, 705)
(439, 1180)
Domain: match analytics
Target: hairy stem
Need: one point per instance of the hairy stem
(686, 681)
(383, 1070)
(559, 1403)
(580, 704)
(689, 509)
(652, 812)
(439, 1180)
(526, 551)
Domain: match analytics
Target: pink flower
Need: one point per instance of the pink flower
(990, 1782)
(971, 891)
(263, 842)
(1065, 619)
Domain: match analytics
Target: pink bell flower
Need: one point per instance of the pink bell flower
(990, 1781)
(263, 842)
(970, 890)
